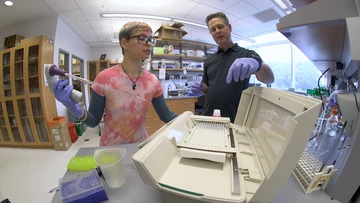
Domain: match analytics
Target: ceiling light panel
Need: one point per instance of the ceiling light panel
(267, 15)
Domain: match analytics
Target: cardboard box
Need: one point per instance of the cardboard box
(60, 133)
(171, 32)
(63, 145)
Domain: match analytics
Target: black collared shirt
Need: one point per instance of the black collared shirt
(221, 95)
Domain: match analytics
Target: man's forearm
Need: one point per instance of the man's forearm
(204, 88)
(265, 74)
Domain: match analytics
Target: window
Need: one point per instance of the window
(291, 68)
(306, 73)
(271, 37)
(278, 57)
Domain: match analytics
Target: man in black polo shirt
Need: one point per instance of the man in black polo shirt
(227, 71)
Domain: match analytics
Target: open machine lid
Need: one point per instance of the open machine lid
(278, 125)
(269, 134)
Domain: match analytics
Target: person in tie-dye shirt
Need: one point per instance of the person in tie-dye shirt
(125, 113)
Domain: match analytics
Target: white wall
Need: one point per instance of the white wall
(46, 27)
(67, 40)
(111, 53)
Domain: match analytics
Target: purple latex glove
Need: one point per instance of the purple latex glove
(195, 88)
(62, 94)
(242, 68)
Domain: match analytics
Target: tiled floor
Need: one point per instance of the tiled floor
(26, 175)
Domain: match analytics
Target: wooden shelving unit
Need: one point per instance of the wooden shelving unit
(25, 102)
(180, 69)
(181, 58)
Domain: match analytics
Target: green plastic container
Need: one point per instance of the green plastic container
(79, 129)
(81, 163)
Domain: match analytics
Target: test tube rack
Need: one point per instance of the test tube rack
(308, 176)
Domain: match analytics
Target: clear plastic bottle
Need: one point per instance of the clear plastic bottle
(331, 125)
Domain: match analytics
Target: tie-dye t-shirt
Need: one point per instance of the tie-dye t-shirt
(125, 114)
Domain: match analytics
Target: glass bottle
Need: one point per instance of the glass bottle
(331, 125)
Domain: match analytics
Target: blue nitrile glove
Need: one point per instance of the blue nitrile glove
(195, 88)
(242, 68)
(62, 94)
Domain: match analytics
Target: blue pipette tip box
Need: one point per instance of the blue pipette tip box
(84, 187)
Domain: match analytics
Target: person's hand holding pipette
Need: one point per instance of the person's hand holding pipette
(62, 93)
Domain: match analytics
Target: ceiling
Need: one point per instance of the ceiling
(83, 16)
(23, 11)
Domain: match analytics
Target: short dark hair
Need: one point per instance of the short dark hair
(217, 15)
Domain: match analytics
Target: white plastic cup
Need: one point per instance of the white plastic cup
(217, 113)
(110, 163)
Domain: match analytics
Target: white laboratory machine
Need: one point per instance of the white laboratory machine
(327, 38)
(208, 159)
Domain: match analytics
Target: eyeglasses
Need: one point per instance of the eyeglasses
(142, 39)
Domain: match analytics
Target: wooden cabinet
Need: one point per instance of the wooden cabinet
(178, 106)
(94, 68)
(12, 41)
(76, 70)
(25, 102)
(183, 58)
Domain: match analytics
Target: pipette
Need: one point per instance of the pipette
(57, 71)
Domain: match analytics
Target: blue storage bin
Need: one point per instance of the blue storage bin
(85, 187)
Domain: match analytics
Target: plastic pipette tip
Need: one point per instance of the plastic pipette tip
(56, 71)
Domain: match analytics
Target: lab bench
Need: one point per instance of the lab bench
(134, 190)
